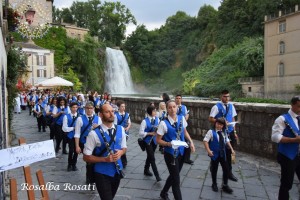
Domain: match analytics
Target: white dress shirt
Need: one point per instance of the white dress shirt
(162, 127)
(142, 132)
(93, 141)
(209, 136)
(65, 126)
(79, 124)
(279, 126)
(215, 110)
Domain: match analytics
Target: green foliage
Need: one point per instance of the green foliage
(259, 100)
(223, 68)
(16, 65)
(73, 77)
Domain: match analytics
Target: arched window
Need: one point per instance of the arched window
(281, 69)
(281, 47)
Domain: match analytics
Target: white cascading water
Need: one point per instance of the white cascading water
(117, 74)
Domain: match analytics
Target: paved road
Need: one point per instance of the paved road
(258, 177)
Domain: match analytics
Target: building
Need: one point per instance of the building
(4, 134)
(40, 63)
(74, 31)
(282, 54)
(252, 86)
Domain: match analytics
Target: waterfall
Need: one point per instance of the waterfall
(117, 74)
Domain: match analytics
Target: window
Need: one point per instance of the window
(281, 69)
(281, 47)
(41, 73)
(41, 60)
(249, 89)
(282, 26)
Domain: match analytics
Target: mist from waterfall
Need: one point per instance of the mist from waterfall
(117, 73)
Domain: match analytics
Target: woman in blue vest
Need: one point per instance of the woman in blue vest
(286, 132)
(215, 142)
(173, 128)
(148, 133)
(59, 112)
(108, 165)
(49, 117)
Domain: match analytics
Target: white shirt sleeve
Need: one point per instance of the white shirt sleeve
(92, 141)
(78, 126)
(277, 129)
(65, 127)
(116, 119)
(54, 111)
(123, 143)
(142, 132)
(214, 111)
(233, 111)
(162, 128)
(208, 136)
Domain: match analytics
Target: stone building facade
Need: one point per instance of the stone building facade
(282, 54)
(74, 31)
(40, 63)
(254, 127)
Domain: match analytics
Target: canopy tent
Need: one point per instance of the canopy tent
(54, 82)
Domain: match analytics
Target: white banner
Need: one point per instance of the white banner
(19, 156)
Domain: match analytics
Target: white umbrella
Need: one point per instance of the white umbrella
(53, 82)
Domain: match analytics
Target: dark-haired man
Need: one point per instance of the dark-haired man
(286, 132)
(226, 110)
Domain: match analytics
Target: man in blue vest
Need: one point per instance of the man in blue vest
(84, 125)
(108, 165)
(183, 111)
(69, 123)
(285, 132)
(226, 110)
(40, 113)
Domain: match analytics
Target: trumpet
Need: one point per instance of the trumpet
(110, 151)
(178, 138)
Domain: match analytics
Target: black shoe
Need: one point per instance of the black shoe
(158, 178)
(69, 168)
(227, 189)
(189, 162)
(232, 178)
(214, 187)
(74, 168)
(147, 173)
(65, 152)
(39, 130)
(164, 195)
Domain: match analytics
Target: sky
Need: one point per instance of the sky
(153, 13)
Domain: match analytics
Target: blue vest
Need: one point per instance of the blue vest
(108, 168)
(59, 119)
(70, 120)
(123, 123)
(222, 112)
(214, 145)
(183, 111)
(85, 122)
(172, 135)
(290, 150)
(80, 108)
(150, 128)
(163, 115)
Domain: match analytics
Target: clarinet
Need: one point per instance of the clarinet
(111, 152)
(178, 138)
(154, 128)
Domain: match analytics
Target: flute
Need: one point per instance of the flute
(178, 138)
(111, 152)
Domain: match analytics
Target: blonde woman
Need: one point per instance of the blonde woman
(162, 110)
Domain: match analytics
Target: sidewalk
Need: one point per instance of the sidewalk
(258, 178)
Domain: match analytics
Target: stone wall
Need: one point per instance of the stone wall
(254, 128)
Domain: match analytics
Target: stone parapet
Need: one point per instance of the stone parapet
(254, 127)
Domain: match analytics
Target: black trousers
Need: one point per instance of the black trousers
(60, 136)
(214, 164)
(72, 159)
(288, 169)
(173, 179)
(107, 186)
(52, 130)
(187, 153)
(150, 149)
(41, 123)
